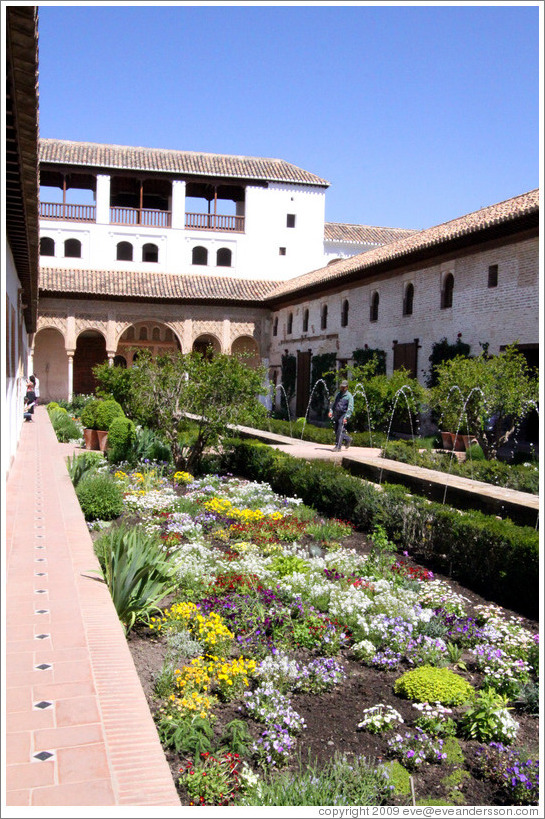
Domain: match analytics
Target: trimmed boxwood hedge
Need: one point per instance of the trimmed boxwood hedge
(493, 557)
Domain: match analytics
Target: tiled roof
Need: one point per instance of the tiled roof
(144, 285)
(191, 163)
(417, 244)
(363, 234)
(21, 152)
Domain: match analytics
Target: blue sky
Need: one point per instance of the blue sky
(414, 114)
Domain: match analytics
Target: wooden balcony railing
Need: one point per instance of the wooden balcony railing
(72, 213)
(214, 221)
(140, 216)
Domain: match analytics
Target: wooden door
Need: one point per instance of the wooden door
(303, 383)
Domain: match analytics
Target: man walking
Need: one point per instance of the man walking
(341, 410)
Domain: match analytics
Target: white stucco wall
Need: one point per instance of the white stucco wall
(255, 253)
(16, 380)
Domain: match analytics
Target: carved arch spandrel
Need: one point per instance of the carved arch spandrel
(50, 320)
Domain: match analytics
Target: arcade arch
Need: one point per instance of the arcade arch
(149, 335)
(247, 348)
(50, 363)
(207, 345)
(90, 351)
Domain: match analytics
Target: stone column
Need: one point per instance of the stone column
(226, 336)
(103, 199)
(110, 358)
(70, 354)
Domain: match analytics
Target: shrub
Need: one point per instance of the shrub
(486, 554)
(148, 444)
(135, 571)
(88, 414)
(121, 436)
(65, 427)
(52, 405)
(106, 411)
(431, 684)
(399, 778)
(80, 466)
(100, 498)
(343, 780)
(488, 719)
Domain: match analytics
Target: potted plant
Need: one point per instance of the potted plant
(88, 420)
(106, 411)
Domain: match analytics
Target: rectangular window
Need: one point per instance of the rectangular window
(290, 220)
(282, 251)
(493, 275)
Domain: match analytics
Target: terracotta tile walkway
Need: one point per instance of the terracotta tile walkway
(77, 727)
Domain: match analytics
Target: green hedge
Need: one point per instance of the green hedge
(493, 557)
(522, 477)
(319, 435)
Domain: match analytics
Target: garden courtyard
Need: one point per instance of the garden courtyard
(274, 664)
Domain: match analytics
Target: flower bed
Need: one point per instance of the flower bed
(278, 666)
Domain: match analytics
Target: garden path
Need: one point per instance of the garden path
(77, 726)
(463, 493)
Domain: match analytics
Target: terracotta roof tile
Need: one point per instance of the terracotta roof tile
(363, 234)
(403, 249)
(190, 163)
(144, 285)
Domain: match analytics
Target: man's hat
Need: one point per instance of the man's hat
(343, 384)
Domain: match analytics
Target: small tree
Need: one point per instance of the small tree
(487, 396)
(442, 351)
(385, 395)
(364, 355)
(114, 382)
(192, 399)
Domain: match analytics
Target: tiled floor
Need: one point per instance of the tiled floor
(78, 730)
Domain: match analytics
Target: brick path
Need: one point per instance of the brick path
(77, 726)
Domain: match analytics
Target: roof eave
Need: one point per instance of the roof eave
(522, 223)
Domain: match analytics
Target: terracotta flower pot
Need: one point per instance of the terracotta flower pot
(458, 441)
(90, 436)
(102, 439)
(468, 440)
(448, 440)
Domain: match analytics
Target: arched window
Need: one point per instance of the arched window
(47, 246)
(72, 248)
(223, 257)
(143, 335)
(373, 313)
(447, 291)
(408, 298)
(156, 334)
(290, 323)
(199, 255)
(305, 321)
(344, 314)
(150, 253)
(168, 335)
(275, 326)
(124, 252)
(129, 335)
(324, 317)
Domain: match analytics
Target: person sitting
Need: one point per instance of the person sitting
(30, 403)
